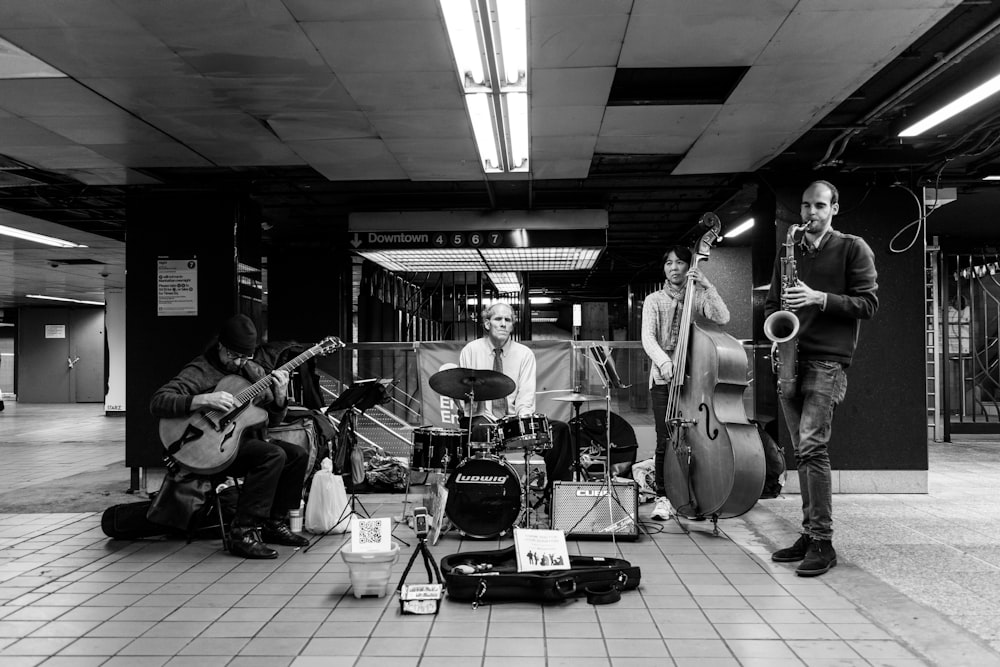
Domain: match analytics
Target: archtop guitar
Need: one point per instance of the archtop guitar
(206, 442)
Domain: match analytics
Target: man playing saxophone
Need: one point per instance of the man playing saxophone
(833, 289)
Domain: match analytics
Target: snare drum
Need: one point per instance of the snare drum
(523, 432)
(431, 445)
(484, 497)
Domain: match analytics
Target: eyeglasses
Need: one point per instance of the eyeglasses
(236, 356)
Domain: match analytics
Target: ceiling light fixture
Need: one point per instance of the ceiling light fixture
(37, 238)
(506, 282)
(490, 47)
(60, 298)
(739, 229)
(994, 177)
(974, 96)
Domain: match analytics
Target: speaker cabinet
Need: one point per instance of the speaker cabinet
(583, 509)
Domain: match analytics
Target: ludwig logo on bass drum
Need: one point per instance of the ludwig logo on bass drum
(480, 479)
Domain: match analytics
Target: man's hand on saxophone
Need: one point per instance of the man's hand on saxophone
(801, 295)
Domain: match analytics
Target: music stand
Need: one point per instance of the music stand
(354, 400)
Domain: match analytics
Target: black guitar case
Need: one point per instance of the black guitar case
(492, 576)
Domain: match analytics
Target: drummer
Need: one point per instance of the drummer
(496, 351)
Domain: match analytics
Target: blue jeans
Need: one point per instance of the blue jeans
(809, 416)
(658, 396)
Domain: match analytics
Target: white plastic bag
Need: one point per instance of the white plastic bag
(327, 502)
(644, 474)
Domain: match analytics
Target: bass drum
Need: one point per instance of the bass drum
(484, 497)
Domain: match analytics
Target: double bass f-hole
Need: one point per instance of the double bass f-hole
(712, 433)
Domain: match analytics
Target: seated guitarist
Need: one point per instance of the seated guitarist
(273, 472)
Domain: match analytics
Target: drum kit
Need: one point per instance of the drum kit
(486, 496)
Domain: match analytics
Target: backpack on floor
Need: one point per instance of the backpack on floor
(128, 522)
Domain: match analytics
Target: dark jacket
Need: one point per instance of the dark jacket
(844, 268)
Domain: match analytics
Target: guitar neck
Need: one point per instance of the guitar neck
(251, 392)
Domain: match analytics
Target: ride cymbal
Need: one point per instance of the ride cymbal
(458, 383)
(578, 398)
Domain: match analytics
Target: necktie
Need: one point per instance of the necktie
(500, 404)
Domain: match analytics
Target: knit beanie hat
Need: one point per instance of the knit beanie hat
(239, 335)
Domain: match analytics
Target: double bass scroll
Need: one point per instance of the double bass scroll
(714, 465)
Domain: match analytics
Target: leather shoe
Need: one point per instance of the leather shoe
(278, 532)
(245, 542)
(819, 559)
(794, 553)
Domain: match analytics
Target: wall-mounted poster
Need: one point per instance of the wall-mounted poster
(176, 287)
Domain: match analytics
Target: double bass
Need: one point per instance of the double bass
(714, 463)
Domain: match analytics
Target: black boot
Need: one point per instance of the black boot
(276, 531)
(244, 541)
(820, 558)
(794, 553)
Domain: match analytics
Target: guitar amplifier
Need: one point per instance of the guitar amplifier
(582, 509)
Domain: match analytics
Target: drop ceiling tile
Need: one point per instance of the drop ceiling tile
(119, 128)
(211, 126)
(60, 157)
(404, 90)
(795, 81)
(404, 46)
(581, 87)
(32, 98)
(676, 120)
(867, 38)
(16, 131)
(566, 121)
(645, 145)
(570, 148)
(119, 176)
(422, 124)
(364, 10)
(140, 156)
(46, 13)
(108, 52)
(159, 94)
(350, 159)
(698, 40)
(311, 126)
(592, 8)
(718, 153)
(791, 118)
(246, 153)
(576, 41)
(263, 97)
(555, 169)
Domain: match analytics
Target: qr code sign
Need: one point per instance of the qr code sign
(369, 531)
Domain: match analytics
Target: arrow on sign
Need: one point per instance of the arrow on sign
(355, 241)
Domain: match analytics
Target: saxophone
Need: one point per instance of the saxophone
(782, 327)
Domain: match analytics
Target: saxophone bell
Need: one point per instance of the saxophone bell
(781, 326)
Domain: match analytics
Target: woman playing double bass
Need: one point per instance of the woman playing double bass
(661, 319)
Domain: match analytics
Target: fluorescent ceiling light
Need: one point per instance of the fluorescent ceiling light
(974, 96)
(539, 300)
(59, 298)
(38, 238)
(16, 63)
(506, 282)
(992, 178)
(487, 260)
(490, 46)
(739, 229)
(545, 319)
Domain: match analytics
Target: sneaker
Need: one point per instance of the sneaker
(819, 559)
(245, 542)
(794, 553)
(277, 532)
(662, 510)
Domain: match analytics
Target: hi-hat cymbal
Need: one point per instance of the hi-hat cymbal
(578, 398)
(460, 382)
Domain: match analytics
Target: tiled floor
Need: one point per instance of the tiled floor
(917, 585)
